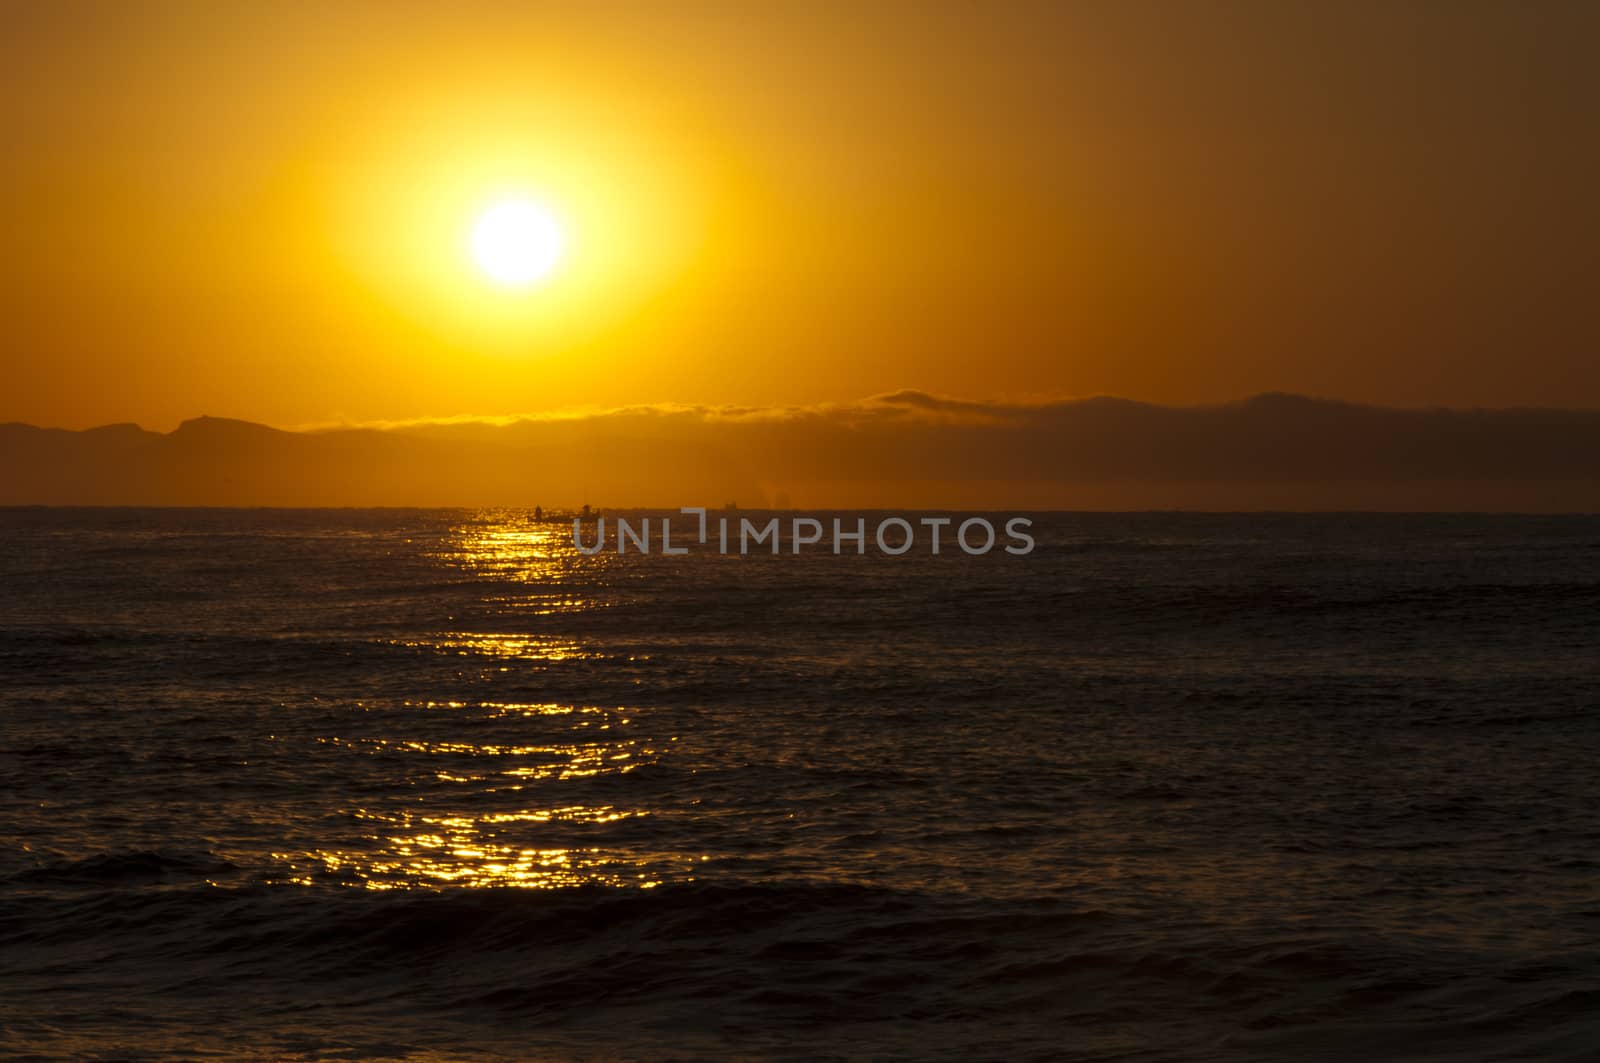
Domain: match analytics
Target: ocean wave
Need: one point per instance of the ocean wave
(698, 960)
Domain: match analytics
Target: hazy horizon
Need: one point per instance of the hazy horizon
(903, 450)
(579, 412)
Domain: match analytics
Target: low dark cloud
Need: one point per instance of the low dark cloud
(908, 448)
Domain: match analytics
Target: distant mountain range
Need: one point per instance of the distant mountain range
(907, 449)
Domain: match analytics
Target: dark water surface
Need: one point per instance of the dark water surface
(365, 784)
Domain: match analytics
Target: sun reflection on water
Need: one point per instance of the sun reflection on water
(502, 644)
(446, 838)
(511, 546)
(538, 556)
(415, 849)
(488, 792)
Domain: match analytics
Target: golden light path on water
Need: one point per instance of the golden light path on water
(537, 749)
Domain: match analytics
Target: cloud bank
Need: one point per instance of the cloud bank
(905, 449)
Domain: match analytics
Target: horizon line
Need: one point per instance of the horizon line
(907, 400)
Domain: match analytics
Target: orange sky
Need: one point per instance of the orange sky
(259, 211)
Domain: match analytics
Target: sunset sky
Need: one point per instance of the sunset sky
(266, 211)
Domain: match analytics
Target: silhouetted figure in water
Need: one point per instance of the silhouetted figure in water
(538, 513)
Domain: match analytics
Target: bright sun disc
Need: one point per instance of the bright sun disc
(516, 242)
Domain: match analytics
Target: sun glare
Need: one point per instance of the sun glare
(516, 242)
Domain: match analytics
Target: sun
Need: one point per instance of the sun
(516, 242)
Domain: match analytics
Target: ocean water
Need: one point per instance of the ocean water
(432, 785)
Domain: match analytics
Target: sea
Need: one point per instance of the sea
(436, 785)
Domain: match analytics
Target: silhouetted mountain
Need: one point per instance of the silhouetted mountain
(908, 448)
